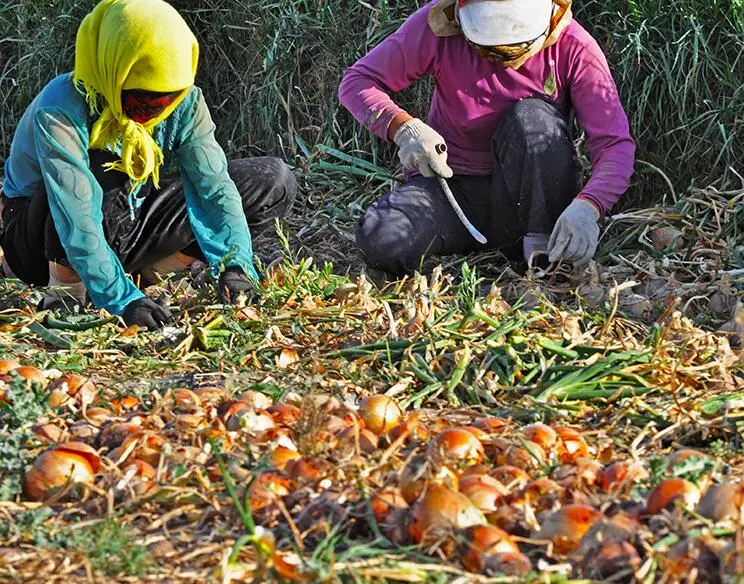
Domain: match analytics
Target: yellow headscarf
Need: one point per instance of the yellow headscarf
(133, 44)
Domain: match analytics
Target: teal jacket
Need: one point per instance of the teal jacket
(50, 151)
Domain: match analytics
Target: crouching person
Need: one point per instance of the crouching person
(507, 74)
(89, 195)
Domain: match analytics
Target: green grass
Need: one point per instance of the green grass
(271, 70)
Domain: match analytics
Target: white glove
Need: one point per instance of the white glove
(422, 148)
(575, 235)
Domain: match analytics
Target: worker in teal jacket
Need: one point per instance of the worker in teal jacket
(84, 200)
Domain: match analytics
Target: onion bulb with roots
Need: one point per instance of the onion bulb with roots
(670, 491)
(73, 463)
(484, 491)
(457, 447)
(439, 511)
(479, 542)
(567, 526)
(541, 434)
(420, 472)
(380, 414)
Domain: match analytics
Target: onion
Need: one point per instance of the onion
(477, 432)
(267, 488)
(571, 445)
(484, 491)
(75, 462)
(71, 385)
(510, 476)
(618, 528)
(621, 475)
(128, 402)
(8, 365)
(491, 426)
(479, 542)
(31, 374)
(566, 526)
(308, 469)
(413, 427)
(584, 472)
(210, 394)
(508, 564)
(186, 400)
(285, 415)
(442, 509)
(530, 456)
(722, 502)
(458, 447)
(693, 554)
(282, 455)
(541, 434)
(419, 472)
(139, 476)
(610, 559)
(98, 416)
(380, 414)
(540, 494)
(668, 492)
(48, 432)
(367, 440)
(386, 501)
(255, 400)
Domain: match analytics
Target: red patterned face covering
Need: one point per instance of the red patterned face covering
(142, 106)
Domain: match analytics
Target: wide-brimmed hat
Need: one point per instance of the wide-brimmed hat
(504, 22)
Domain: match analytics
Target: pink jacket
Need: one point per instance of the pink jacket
(472, 95)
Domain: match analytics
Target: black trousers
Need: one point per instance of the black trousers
(160, 227)
(535, 177)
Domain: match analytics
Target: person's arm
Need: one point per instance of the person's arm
(598, 109)
(213, 202)
(393, 65)
(75, 203)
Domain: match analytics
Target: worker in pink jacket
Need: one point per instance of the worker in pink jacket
(507, 74)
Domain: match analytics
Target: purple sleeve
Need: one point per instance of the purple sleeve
(598, 109)
(393, 65)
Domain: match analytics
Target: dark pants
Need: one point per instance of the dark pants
(160, 228)
(535, 177)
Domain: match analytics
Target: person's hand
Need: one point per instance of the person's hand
(575, 235)
(232, 283)
(146, 312)
(422, 148)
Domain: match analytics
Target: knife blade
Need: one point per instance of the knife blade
(479, 237)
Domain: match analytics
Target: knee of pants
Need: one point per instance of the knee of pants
(385, 246)
(277, 186)
(535, 124)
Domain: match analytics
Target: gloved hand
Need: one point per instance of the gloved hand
(575, 235)
(146, 312)
(232, 282)
(422, 148)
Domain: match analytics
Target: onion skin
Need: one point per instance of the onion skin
(368, 441)
(610, 559)
(267, 488)
(380, 414)
(457, 446)
(668, 492)
(284, 414)
(31, 374)
(484, 491)
(386, 501)
(722, 502)
(8, 365)
(479, 542)
(620, 476)
(508, 564)
(73, 461)
(510, 476)
(571, 445)
(281, 456)
(419, 473)
(541, 434)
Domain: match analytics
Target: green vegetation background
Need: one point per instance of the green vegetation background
(271, 69)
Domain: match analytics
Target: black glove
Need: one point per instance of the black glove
(146, 312)
(232, 282)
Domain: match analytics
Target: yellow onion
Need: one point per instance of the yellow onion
(722, 502)
(541, 434)
(511, 477)
(419, 472)
(529, 456)
(484, 491)
(380, 414)
(98, 416)
(670, 491)
(8, 365)
(285, 415)
(621, 475)
(442, 509)
(210, 394)
(491, 426)
(31, 374)
(458, 447)
(610, 558)
(571, 445)
(479, 542)
(412, 427)
(139, 476)
(75, 462)
(567, 526)
(255, 399)
(386, 501)
(540, 494)
(127, 402)
(308, 469)
(368, 441)
(267, 488)
(281, 456)
(694, 554)
(186, 400)
(48, 432)
(508, 564)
